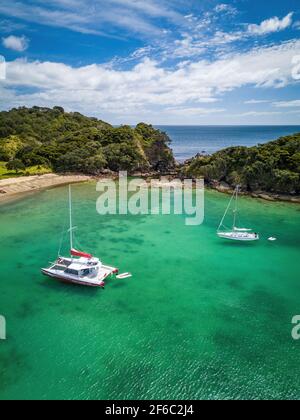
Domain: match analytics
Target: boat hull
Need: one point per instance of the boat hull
(77, 282)
(238, 238)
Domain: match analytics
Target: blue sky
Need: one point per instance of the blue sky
(159, 61)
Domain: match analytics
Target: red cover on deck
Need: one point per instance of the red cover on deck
(75, 253)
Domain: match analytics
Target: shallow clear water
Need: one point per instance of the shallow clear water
(200, 318)
(187, 141)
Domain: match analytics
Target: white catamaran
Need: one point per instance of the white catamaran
(237, 233)
(84, 270)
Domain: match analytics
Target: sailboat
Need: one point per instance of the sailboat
(80, 268)
(236, 233)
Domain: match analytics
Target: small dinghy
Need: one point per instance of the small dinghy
(272, 239)
(124, 276)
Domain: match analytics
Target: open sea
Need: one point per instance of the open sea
(187, 141)
(199, 319)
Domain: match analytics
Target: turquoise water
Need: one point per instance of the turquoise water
(187, 141)
(200, 318)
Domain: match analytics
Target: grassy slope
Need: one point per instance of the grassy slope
(33, 170)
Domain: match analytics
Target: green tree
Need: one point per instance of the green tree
(156, 146)
(95, 164)
(15, 165)
(9, 147)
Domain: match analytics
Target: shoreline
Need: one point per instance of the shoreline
(16, 188)
(260, 195)
(12, 189)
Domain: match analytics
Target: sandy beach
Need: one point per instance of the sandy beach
(13, 188)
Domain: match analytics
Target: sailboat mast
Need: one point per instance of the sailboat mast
(71, 220)
(226, 212)
(236, 206)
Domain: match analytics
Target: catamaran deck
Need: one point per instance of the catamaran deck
(67, 271)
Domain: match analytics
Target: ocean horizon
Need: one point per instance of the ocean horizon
(189, 140)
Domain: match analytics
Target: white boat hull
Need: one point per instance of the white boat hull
(105, 272)
(241, 237)
(124, 276)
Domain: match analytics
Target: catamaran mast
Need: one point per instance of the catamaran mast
(71, 221)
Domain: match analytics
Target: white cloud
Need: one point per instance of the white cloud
(274, 24)
(287, 104)
(194, 43)
(259, 114)
(8, 26)
(147, 89)
(257, 102)
(96, 17)
(16, 43)
(188, 46)
(226, 8)
(195, 111)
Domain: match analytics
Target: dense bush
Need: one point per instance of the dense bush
(69, 142)
(156, 145)
(15, 165)
(9, 147)
(272, 167)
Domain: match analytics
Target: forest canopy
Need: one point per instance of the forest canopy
(71, 142)
(271, 167)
